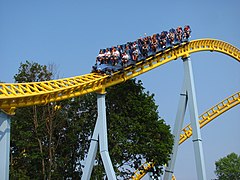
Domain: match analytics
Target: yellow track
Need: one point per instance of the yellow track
(16, 95)
(211, 114)
(204, 119)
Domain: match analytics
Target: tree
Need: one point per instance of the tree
(32, 72)
(52, 143)
(136, 132)
(228, 167)
(40, 135)
(28, 125)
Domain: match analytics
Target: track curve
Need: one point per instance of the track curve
(211, 114)
(16, 95)
(186, 133)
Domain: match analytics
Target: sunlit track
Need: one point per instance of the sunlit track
(204, 119)
(27, 94)
(36, 93)
(211, 114)
(142, 170)
(14, 95)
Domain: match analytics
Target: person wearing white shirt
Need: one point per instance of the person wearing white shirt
(125, 58)
(135, 54)
(107, 55)
(100, 57)
(115, 56)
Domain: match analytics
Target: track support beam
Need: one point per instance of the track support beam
(176, 132)
(4, 145)
(188, 96)
(99, 137)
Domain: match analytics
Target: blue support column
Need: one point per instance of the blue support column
(87, 171)
(188, 96)
(196, 134)
(103, 138)
(99, 137)
(176, 132)
(4, 145)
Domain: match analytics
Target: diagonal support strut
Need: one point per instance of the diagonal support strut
(188, 97)
(99, 137)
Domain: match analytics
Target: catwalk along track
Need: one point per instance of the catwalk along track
(14, 95)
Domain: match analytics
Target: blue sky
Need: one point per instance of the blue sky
(70, 33)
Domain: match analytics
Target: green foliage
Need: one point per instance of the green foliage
(50, 143)
(44, 141)
(32, 72)
(136, 133)
(228, 167)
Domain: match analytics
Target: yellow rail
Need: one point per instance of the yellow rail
(211, 114)
(27, 94)
(142, 170)
(16, 95)
(204, 119)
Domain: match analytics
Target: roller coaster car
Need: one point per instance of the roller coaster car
(106, 68)
(174, 42)
(166, 40)
(101, 68)
(185, 39)
(109, 69)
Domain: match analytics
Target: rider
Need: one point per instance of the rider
(135, 54)
(187, 32)
(100, 57)
(179, 33)
(163, 39)
(154, 43)
(107, 56)
(125, 58)
(115, 56)
(145, 49)
(171, 36)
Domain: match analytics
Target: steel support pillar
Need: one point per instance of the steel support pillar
(99, 136)
(91, 154)
(196, 134)
(188, 96)
(4, 145)
(176, 131)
